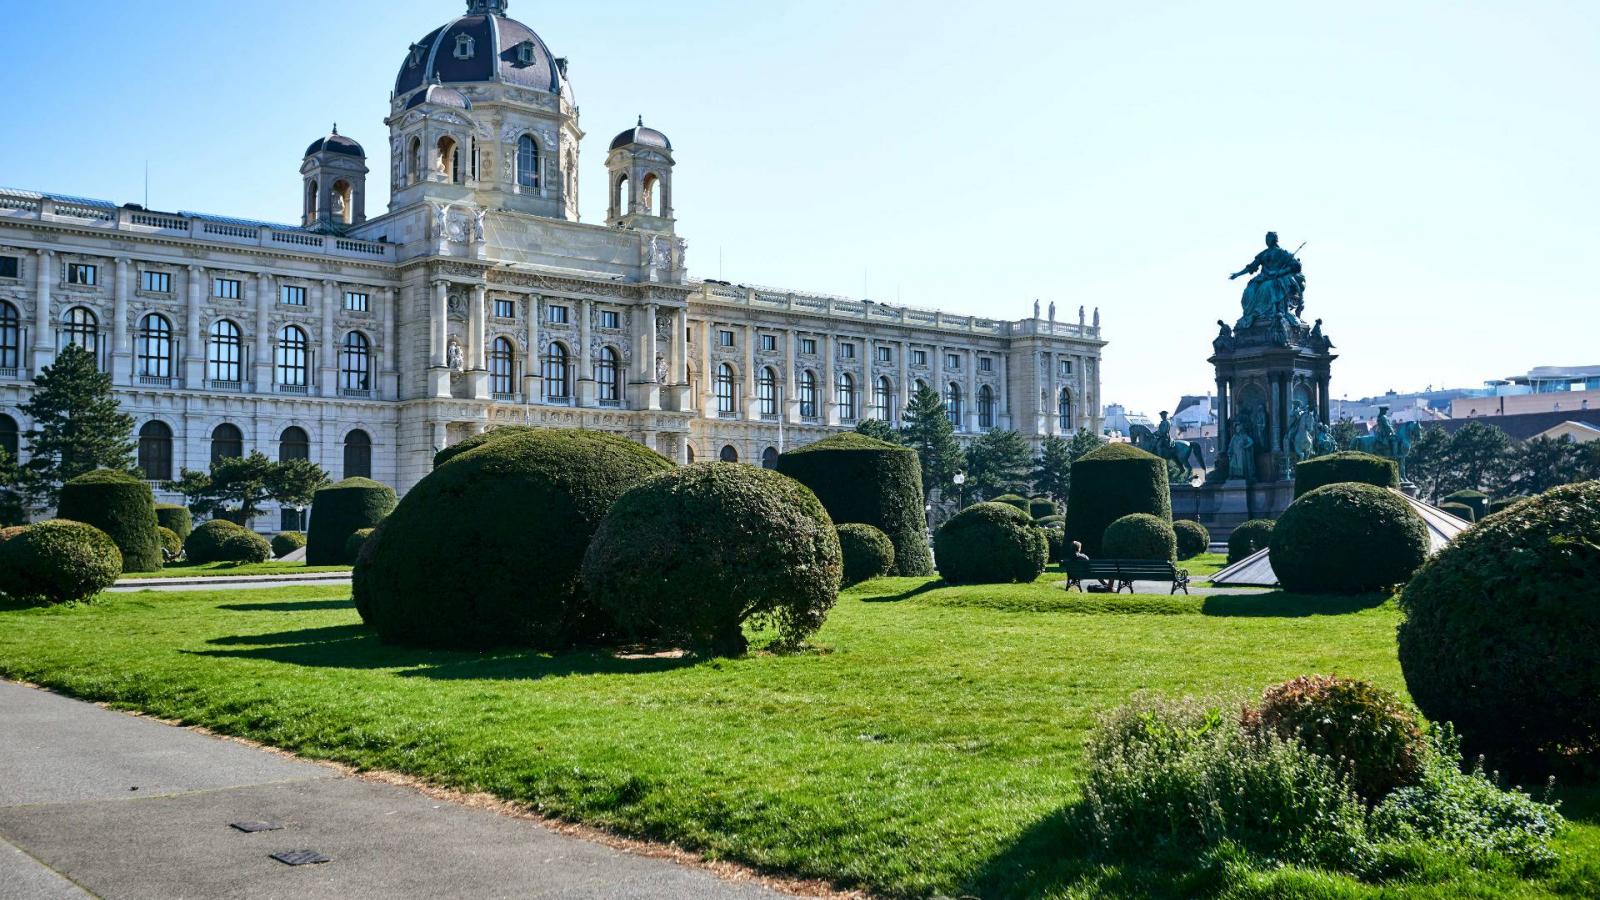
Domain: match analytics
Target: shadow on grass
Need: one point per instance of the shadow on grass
(923, 588)
(1282, 604)
(289, 606)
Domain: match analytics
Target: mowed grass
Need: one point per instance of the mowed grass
(927, 744)
(220, 569)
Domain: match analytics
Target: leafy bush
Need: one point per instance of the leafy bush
(1249, 538)
(990, 543)
(487, 549)
(175, 517)
(360, 576)
(1057, 521)
(1499, 630)
(1342, 467)
(287, 542)
(860, 479)
(1043, 508)
(119, 505)
(171, 544)
(1110, 482)
(354, 543)
(1055, 538)
(1193, 538)
(687, 557)
(1460, 511)
(10, 580)
(1017, 500)
(1366, 730)
(1478, 500)
(1140, 536)
(868, 552)
(222, 541)
(1348, 538)
(1503, 504)
(60, 561)
(478, 440)
(339, 510)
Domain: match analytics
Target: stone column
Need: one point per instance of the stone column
(677, 364)
(44, 333)
(439, 341)
(791, 400)
(478, 374)
(970, 414)
(752, 410)
(327, 371)
(389, 383)
(1324, 399)
(263, 342)
(708, 407)
(583, 357)
(1052, 410)
(651, 383)
(1222, 415)
(193, 361)
(830, 385)
(121, 336)
(903, 395)
(1005, 392)
(532, 375)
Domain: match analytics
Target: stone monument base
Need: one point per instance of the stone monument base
(1223, 507)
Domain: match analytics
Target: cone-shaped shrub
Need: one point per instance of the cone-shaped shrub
(868, 552)
(1110, 482)
(1193, 538)
(1348, 538)
(861, 479)
(1345, 466)
(340, 510)
(1140, 536)
(119, 505)
(990, 543)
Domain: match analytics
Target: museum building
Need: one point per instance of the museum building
(480, 299)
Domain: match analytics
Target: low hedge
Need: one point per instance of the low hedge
(868, 552)
(354, 543)
(1477, 500)
(1043, 508)
(178, 518)
(1371, 735)
(1193, 538)
(1504, 504)
(1017, 500)
(990, 543)
(121, 506)
(861, 479)
(60, 561)
(171, 544)
(1140, 536)
(222, 541)
(1460, 511)
(287, 542)
(1057, 521)
(339, 510)
(1345, 466)
(1249, 538)
(1110, 482)
(1348, 538)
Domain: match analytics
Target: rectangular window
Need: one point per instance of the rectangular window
(81, 273)
(919, 357)
(985, 364)
(725, 338)
(847, 351)
(610, 318)
(688, 335)
(357, 301)
(292, 295)
(505, 309)
(808, 346)
(769, 342)
(10, 267)
(558, 315)
(155, 282)
(226, 288)
(885, 354)
(1066, 367)
(952, 361)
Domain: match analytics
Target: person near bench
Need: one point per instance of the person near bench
(1078, 554)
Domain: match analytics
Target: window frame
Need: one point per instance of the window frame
(159, 446)
(153, 281)
(845, 385)
(502, 366)
(82, 274)
(358, 301)
(153, 356)
(291, 357)
(608, 375)
(807, 391)
(10, 335)
(505, 308)
(355, 362)
(557, 370)
(723, 384)
(558, 314)
(287, 291)
(610, 318)
(227, 288)
(216, 340)
(767, 391)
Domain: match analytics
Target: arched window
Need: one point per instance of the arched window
(223, 348)
(847, 397)
(502, 367)
(621, 196)
(155, 451)
(767, 391)
(883, 400)
(808, 395)
(294, 443)
(155, 347)
(557, 373)
(227, 442)
(1064, 409)
(343, 197)
(727, 402)
(311, 198)
(358, 455)
(689, 452)
(608, 376)
(80, 328)
(449, 159)
(414, 162)
(952, 404)
(527, 162)
(985, 407)
(729, 454)
(8, 436)
(10, 337)
(769, 458)
(292, 357)
(355, 362)
(648, 195)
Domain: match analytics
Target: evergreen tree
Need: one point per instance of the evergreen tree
(1344, 433)
(1541, 463)
(998, 462)
(12, 509)
(878, 428)
(1428, 464)
(929, 432)
(1052, 471)
(78, 426)
(1479, 455)
(237, 486)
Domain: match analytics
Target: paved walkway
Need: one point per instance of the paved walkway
(97, 803)
(243, 582)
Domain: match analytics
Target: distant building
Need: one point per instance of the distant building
(1576, 432)
(1522, 404)
(1531, 425)
(1554, 379)
(1194, 412)
(1119, 422)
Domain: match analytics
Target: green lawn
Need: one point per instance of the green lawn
(927, 745)
(219, 569)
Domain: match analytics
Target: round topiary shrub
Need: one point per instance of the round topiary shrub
(175, 517)
(1348, 538)
(119, 505)
(861, 479)
(688, 557)
(1017, 500)
(1140, 536)
(1459, 510)
(339, 510)
(1110, 482)
(61, 561)
(1043, 508)
(1366, 731)
(10, 578)
(171, 544)
(478, 440)
(354, 543)
(1503, 504)
(1249, 539)
(360, 575)
(245, 546)
(222, 541)
(1345, 466)
(1499, 634)
(868, 552)
(287, 542)
(1056, 521)
(486, 550)
(1193, 538)
(990, 543)
(1478, 500)
(1055, 539)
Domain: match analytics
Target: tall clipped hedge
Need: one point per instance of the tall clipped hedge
(340, 510)
(991, 543)
(861, 479)
(178, 518)
(1110, 482)
(121, 506)
(1348, 538)
(1346, 465)
(487, 549)
(1460, 511)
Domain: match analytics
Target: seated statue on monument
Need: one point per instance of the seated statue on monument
(1278, 289)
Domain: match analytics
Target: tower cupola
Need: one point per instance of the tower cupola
(640, 163)
(335, 183)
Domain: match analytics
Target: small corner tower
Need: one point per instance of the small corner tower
(641, 164)
(335, 190)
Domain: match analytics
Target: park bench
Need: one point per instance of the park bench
(1122, 573)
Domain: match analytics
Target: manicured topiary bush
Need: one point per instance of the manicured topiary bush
(1478, 500)
(171, 544)
(1346, 465)
(1366, 730)
(1347, 538)
(687, 557)
(1055, 539)
(1193, 538)
(178, 518)
(487, 549)
(354, 543)
(1499, 629)
(990, 543)
(1459, 510)
(61, 561)
(339, 510)
(1017, 500)
(119, 505)
(868, 552)
(1110, 482)
(1043, 508)
(222, 541)
(360, 575)
(10, 578)
(287, 542)
(1139, 536)
(860, 479)
(1503, 504)
(1249, 538)
(1057, 521)
(478, 440)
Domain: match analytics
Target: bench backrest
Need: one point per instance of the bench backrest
(1121, 568)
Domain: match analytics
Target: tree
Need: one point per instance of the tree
(1344, 433)
(78, 427)
(1541, 463)
(12, 509)
(1589, 461)
(998, 462)
(249, 481)
(1478, 456)
(929, 432)
(878, 428)
(1428, 464)
(1052, 472)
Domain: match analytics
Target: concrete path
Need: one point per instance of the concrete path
(97, 803)
(241, 582)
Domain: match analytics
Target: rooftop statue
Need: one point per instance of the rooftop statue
(1278, 289)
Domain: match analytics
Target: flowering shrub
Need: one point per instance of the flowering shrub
(1366, 731)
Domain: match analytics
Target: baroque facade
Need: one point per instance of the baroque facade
(479, 299)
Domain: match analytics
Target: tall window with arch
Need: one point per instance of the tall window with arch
(355, 362)
(358, 454)
(620, 196)
(986, 407)
(883, 399)
(10, 336)
(952, 404)
(224, 344)
(727, 399)
(155, 451)
(9, 434)
(1064, 410)
(557, 373)
(227, 442)
(154, 357)
(293, 357)
(502, 368)
(294, 443)
(767, 391)
(650, 195)
(450, 159)
(847, 397)
(608, 375)
(313, 192)
(807, 389)
(343, 200)
(729, 454)
(769, 458)
(527, 162)
(414, 162)
(80, 328)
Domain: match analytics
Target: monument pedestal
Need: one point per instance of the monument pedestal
(1223, 507)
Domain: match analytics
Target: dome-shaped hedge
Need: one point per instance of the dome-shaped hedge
(1345, 466)
(990, 543)
(478, 440)
(1055, 539)
(1500, 628)
(688, 556)
(1477, 500)
(171, 544)
(1043, 508)
(61, 561)
(1503, 504)
(1249, 538)
(868, 552)
(119, 505)
(1057, 521)
(10, 577)
(287, 542)
(1017, 500)
(220, 540)
(354, 543)
(339, 510)
(486, 550)
(1193, 538)
(1460, 511)
(360, 575)
(1348, 538)
(1139, 536)
(1110, 482)
(861, 479)
(175, 517)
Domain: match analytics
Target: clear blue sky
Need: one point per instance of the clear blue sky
(1440, 157)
